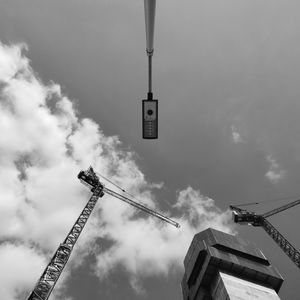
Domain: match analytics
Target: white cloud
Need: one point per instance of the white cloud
(145, 247)
(43, 145)
(275, 173)
(11, 61)
(236, 136)
(21, 265)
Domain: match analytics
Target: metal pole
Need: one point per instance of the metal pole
(149, 21)
(150, 73)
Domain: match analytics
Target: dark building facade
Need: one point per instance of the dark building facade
(222, 266)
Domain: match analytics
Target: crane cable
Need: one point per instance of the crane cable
(124, 191)
(269, 201)
(117, 186)
(237, 205)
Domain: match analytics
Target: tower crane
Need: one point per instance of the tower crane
(243, 217)
(47, 281)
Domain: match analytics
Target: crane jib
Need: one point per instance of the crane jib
(142, 207)
(91, 179)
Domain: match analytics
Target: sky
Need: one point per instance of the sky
(72, 77)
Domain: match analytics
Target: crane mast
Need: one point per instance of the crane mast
(243, 216)
(54, 269)
(59, 260)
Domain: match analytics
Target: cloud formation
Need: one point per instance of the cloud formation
(236, 136)
(145, 247)
(43, 146)
(275, 173)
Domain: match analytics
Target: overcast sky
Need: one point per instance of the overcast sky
(73, 74)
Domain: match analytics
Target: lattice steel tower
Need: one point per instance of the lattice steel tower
(51, 274)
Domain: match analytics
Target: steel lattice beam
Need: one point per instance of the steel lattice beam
(280, 209)
(55, 267)
(282, 242)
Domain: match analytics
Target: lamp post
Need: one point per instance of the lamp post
(150, 106)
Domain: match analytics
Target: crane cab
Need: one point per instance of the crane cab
(90, 179)
(243, 217)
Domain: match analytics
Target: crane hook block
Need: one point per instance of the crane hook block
(150, 118)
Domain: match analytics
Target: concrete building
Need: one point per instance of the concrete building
(222, 266)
